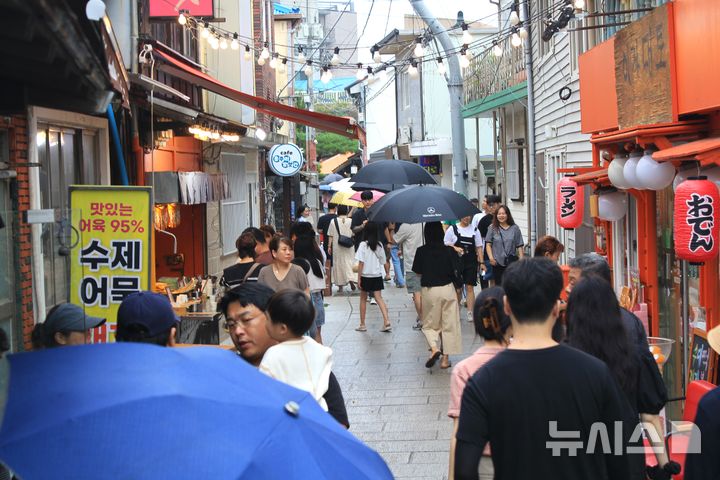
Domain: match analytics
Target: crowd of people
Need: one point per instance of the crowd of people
(546, 369)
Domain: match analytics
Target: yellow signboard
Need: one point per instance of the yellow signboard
(113, 257)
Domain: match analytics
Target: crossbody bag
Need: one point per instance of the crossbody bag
(343, 240)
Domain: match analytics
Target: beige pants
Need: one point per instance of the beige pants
(441, 316)
(486, 470)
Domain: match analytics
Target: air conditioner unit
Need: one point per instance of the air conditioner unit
(404, 135)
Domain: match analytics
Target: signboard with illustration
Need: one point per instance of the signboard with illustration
(171, 8)
(285, 159)
(702, 359)
(112, 257)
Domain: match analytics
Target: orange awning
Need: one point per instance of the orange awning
(336, 162)
(598, 177)
(707, 151)
(328, 123)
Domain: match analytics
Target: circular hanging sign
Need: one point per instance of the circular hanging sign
(285, 159)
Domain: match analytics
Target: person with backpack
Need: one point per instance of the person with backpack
(466, 240)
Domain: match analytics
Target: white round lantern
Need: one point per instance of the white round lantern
(615, 171)
(654, 175)
(612, 206)
(683, 175)
(630, 171)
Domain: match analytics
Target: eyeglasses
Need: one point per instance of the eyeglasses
(230, 325)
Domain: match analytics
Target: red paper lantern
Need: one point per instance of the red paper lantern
(697, 226)
(570, 203)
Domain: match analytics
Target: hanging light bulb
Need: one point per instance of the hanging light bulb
(260, 60)
(381, 74)
(464, 60)
(214, 42)
(265, 53)
(308, 70)
(514, 18)
(329, 74)
(370, 72)
(95, 9)
(301, 55)
(523, 33)
(247, 55)
(360, 74)
(335, 60)
(260, 134)
(497, 49)
(274, 61)
(324, 76)
(579, 4)
(413, 70)
(234, 45)
(182, 19)
(204, 30)
(441, 66)
(515, 40)
(283, 66)
(466, 37)
(377, 58)
(223, 43)
(419, 50)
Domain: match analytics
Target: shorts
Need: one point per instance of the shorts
(318, 303)
(371, 284)
(470, 271)
(412, 282)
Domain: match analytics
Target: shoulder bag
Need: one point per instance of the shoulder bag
(343, 240)
(509, 257)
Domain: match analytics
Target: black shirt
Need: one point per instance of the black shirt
(358, 217)
(234, 275)
(435, 265)
(483, 226)
(706, 465)
(323, 224)
(335, 401)
(511, 401)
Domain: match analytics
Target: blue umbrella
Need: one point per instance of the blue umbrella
(142, 411)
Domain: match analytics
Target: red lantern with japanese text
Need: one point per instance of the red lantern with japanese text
(697, 226)
(570, 203)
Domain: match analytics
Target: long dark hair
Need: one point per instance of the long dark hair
(434, 233)
(306, 247)
(510, 220)
(491, 321)
(595, 326)
(370, 235)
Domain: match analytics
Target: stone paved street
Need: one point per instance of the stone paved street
(394, 403)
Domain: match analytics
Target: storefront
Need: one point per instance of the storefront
(654, 118)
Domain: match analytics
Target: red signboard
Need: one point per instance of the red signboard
(171, 8)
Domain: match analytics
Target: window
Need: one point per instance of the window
(404, 90)
(514, 174)
(234, 211)
(583, 40)
(544, 13)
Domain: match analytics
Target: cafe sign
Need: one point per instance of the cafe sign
(285, 159)
(645, 70)
(111, 257)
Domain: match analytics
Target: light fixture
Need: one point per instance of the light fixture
(377, 58)
(214, 42)
(615, 171)
(247, 55)
(370, 73)
(497, 49)
(283, 66)
(515, 40)
(265, 53)
(612, 206)
(466, 37)
(441, 66)
(654, 175)
(514, 18)
(223, 43)
(579, 4)
(95, 9)
(360, 74)
(301, 55)
(419, 50)
(630, 170)
(326, 75)
(234, 44)
(381, 73)
(273, 61)
(523, 33)
(308, 70)
(464, 60)
(260, 60)
(335, 60)
(204, 30)
(182, 19)
(413, 70)
(230, 137)
(260, 134)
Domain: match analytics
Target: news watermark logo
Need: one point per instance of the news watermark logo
(569, 442)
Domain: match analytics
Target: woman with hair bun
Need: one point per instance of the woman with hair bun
(494, 326)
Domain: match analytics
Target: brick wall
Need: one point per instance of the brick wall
(20, 191)
(264, 76)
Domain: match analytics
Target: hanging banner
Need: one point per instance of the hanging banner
(171, 8)
(113, 253)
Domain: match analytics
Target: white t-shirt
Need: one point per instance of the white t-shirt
(476, 219)
(316, 283)
(373, 261)
(302, 363)
(410, 237)
(469, 231)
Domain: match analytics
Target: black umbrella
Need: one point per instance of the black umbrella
(388, 175)
(421, 203)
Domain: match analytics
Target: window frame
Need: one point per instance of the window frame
(515, 193)
(237, 187)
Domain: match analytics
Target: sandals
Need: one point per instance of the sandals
(361, 328)
(444, 364)
(386, 329)
(433, 359)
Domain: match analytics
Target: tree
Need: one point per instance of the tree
(329, 144)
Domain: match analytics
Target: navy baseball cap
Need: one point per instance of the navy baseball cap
(68, 317)
(153, 311)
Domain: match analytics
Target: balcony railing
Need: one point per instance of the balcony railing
(488, 74)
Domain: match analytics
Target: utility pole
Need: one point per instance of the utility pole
(524, 17)
(455, 89)
(310, 148)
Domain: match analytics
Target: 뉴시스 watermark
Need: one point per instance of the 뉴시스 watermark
(569, 441)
